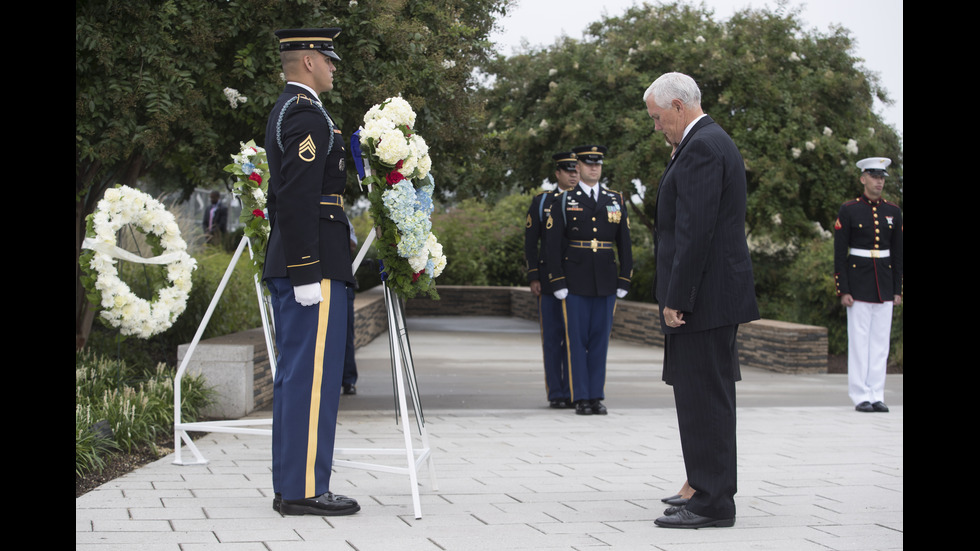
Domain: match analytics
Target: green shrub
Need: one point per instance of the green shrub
(91, 447)
(483, 243)
(237, 310)
(800, 288)
(136, 406)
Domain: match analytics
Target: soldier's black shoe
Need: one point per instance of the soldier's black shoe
(864, 407)
(560, 404)
(598, 408)
(350, 389)
(277, 502)
(583, 407)
(328, 505)
(880, 407)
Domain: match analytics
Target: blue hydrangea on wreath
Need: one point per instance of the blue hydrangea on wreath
(401, 199)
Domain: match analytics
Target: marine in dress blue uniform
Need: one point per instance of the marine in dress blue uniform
(586, 231)
(868, 271)
(307, 270)
(549, 308)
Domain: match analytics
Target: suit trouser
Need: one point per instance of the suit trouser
(869, 327)
(588, 322)
(553, 346)
(704, 367)
(306, 390)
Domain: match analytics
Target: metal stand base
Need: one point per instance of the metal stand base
(402, 371)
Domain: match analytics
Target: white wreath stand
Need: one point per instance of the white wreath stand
(402, 370)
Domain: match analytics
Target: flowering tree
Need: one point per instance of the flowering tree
(796, 102)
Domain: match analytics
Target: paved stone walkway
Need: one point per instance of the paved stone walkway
(813, 473)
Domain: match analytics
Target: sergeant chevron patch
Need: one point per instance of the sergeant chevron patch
(307, 149)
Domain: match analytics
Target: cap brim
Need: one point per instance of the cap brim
(330, 54)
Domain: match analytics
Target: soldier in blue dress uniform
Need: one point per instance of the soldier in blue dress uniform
(307, 270)
(549, 308)
(868, 271)
(586, 225)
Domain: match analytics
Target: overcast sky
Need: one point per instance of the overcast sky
(876, 26)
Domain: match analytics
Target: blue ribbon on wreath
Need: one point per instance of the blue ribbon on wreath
(355, 151)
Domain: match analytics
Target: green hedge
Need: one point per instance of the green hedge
(237, 310)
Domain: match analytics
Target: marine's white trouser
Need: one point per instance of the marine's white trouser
(869, 326)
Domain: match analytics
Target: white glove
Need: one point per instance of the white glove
(560, 294)
(307, 295)
(620, 293)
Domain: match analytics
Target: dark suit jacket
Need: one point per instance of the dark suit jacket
(220, 217)
(703, 264)
(309, 236)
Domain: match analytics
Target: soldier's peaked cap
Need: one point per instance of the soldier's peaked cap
(875, 165)
(590, 154)
(320, 40)
(565, 160)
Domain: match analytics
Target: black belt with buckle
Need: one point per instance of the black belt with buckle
(332, 200)
(595, 244)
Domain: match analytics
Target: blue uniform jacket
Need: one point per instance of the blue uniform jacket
(310, 238)
(582, 235)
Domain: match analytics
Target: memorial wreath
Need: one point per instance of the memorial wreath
(401, 199)
(250, 167)
(121, 308)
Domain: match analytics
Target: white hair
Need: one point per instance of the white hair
(671, 86)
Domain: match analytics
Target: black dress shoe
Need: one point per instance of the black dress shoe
(583, 407)
(560, 404)
(880, 407)
(350, 389)
(673, 510)
(598, 408)
(667, 499)
(676, 501)
(687, 519)
(276, 502)
(328, 505)
(865, 407)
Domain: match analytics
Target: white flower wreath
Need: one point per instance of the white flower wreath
(121, 307)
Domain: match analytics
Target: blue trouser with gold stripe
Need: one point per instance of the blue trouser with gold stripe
(588, 322)
(306, 392)
(553, 347)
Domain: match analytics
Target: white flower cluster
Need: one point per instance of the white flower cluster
(390, 126)
(234, 97)
(121, 307)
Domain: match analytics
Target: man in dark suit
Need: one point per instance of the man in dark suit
(215, 219)
(552, 321)
(307, 269)
(705, 290)
(586, 224)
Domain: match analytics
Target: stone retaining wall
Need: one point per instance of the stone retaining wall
(238, 366)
